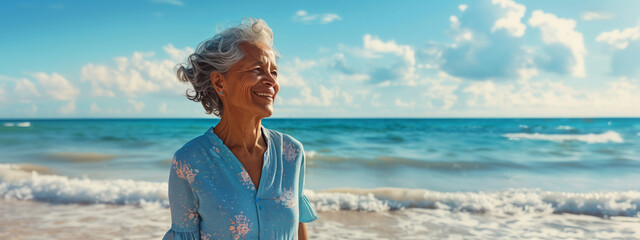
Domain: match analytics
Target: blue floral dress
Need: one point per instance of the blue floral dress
(213, 197)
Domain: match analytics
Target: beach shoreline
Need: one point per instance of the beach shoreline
(41, 220)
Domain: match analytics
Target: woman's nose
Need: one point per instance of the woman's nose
(269, 79)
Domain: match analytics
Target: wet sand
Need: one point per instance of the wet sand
(38, 220)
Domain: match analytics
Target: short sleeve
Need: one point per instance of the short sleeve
(185, 220)
(307, 214)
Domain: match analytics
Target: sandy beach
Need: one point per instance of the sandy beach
(37, 220)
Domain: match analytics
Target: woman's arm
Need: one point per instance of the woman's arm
(185, 220)
(302, 231)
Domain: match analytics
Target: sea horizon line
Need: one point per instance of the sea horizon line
(319, 118)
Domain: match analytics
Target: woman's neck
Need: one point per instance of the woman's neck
(238, 131)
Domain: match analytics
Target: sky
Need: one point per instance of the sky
(339, 59)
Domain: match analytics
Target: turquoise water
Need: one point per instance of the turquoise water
(575, 155)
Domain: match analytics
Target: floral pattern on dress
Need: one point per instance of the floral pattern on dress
(289, 151)
(204, 236)
(191, 213)
(240, 226)
(287, 198)
(246, 179)
(184, 170)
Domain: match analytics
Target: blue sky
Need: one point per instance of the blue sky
(95, 59)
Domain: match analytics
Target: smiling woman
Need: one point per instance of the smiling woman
(238, 179)
(217, 56)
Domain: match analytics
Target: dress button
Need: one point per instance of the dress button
(260, 207)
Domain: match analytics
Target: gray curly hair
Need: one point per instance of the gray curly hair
(218, 54)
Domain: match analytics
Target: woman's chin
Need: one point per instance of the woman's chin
(265, 112)
(268, 114)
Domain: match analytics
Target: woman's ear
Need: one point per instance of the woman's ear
(216, 80)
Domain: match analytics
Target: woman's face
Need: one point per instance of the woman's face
(250, 86)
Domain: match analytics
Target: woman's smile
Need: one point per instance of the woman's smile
(251, 83)
(267, 94)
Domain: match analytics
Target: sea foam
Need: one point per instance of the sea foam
(609, 136)
(564, 127)
(20, 124)
(507, 202)
(22, 185)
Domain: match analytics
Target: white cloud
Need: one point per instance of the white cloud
(465, 36)
(105, 80)
(327, 95)
(69, 108)
(56, 86)
(460, 35)
(290, 73)
(455, 23)
(430, 56)
(25, 90)
(356, 77)
(527, 73)
(512, 21)
(541, 94)
(178, 55)
(588, 16)
(345, 72)
(463, 7)
(623, 94)
(172, 2)
(138, 106)
(348, 98)
(329, 17)
(359, 52)
(401, 103)
(304, 16)
(136, 74)
(404, 70)
(307, 98)
(480, 53)
(619, 39)
(562, 31)
(376, 45)
(617, 98)
(339, 62)
(441, 90)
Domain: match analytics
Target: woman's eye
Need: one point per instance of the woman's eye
(274, 73)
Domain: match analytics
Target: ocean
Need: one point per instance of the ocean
(367, 178)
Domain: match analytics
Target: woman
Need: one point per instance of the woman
(238, 180)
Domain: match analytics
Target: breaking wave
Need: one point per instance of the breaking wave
(20, 184)
(609, 136)
(19, 124)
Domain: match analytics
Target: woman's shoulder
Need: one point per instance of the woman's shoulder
(192, 148)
